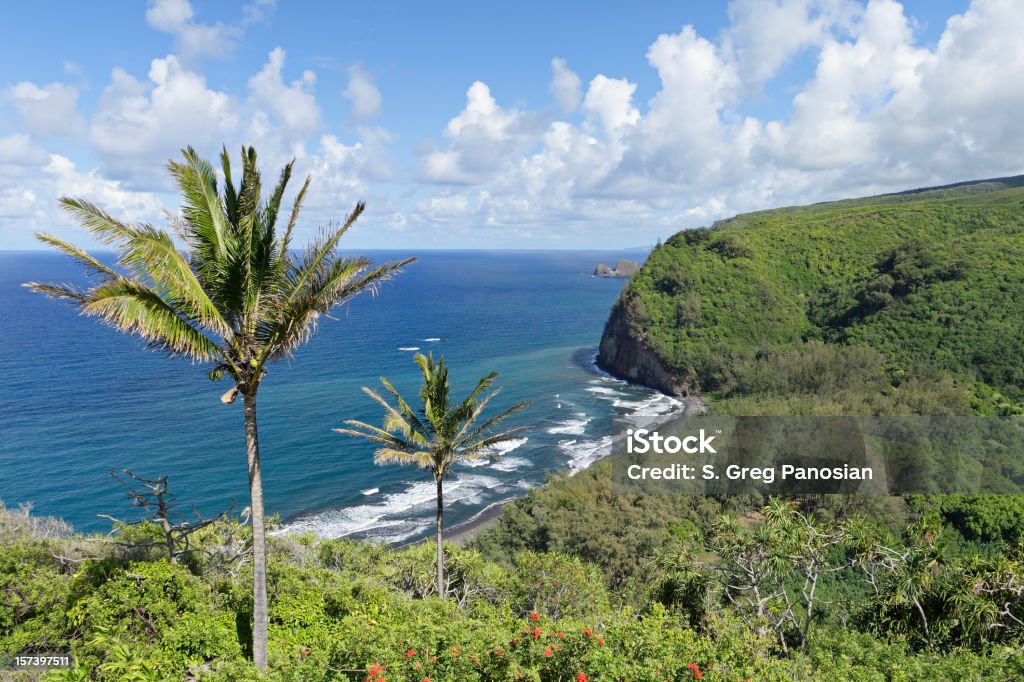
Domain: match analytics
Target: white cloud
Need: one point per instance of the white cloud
(139, 121)
(610, 100)
(294, 104)
(124, 203)
(483, 138)
(193, 39)
(362, 93)
(18, 152)
(566, 86)
(17, 203)
(28, 202)
(881, 112)
(764, 35)
(877, 110)
(47, 110)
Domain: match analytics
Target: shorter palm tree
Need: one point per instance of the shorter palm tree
(438, 435)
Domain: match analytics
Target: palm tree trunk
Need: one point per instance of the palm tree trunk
(259, 549)
(440, 545)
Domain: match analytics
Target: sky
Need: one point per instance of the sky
(506, 125)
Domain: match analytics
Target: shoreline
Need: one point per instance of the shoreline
(463, 532)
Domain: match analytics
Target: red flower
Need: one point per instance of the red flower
(698, 675)
(693, 667)
(410, 653)
(559, 635)
(426, 679)
(537, 632)
(582, 677)
(600, 641)
(534, 616)
(547, 653)
(587, 632)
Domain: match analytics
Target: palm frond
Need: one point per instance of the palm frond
(317, 256)
(400, 420)
(482, 429)
(230, 195)
(465, 415)
(377, 435)
(80, 255)
(148, 253)
(274, 203)
(406, 410)
(299, 313)
(422, 459)
(286, 240)
(130, 306)
(98, 222)
(203, 212)
(153, 254)
(477, 449)
(58, 292)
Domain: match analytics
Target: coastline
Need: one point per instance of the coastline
(463, 533)
(464, 530)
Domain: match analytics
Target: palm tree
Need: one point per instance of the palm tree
(438, 435)
(236, 297)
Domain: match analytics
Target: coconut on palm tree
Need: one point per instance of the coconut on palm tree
(237, 296)
(436, 436)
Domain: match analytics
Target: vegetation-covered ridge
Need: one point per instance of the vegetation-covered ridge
(932, 281)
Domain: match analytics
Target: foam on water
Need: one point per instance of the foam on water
(574, 427)
(338, 523)
(392, 520)
(506, 446)
(584, 453)
(604, 390)
(655, 405)
(510, 463)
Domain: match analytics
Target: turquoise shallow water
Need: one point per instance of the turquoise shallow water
(78, 399)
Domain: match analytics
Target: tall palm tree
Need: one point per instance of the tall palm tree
(436, 436)
(236, 297)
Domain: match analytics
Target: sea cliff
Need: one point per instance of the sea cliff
(927, 280)
(625, 355)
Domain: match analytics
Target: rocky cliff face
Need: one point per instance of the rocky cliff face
(623, 355)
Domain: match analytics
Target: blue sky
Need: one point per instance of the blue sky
(528, 125)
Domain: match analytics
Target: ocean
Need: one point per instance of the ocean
(78, 400)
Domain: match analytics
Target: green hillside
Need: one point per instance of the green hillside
(929, 284)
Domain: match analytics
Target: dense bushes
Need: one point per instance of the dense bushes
(344, 610)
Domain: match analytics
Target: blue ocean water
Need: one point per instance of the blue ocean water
(77, 399)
